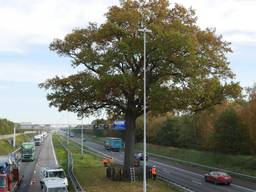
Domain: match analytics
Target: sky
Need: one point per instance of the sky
(27, 27)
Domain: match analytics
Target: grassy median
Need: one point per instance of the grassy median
(92, 175)
(6, 148)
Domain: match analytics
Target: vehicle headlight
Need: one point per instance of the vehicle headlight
(66, 181)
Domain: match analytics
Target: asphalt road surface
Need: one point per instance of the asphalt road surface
(27, 170)
(45, 157)
(186, 178)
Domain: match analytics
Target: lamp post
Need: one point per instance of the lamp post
(82, 137)
(14, 136)
(145, 31)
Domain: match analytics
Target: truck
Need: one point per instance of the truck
(28, 151)
(10, 177)
(53, 184)
(37, 140)
(44, 134)
(113, 144)
(52, 173)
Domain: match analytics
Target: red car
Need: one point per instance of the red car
(217, 177)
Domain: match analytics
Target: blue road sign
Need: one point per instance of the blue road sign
(119, 125)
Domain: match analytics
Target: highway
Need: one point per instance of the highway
(186, 178)
(45, 157)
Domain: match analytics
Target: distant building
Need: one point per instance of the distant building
(26, 125)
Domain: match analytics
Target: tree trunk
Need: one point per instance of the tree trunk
(130, 123)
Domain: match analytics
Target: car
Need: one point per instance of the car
(53, 184)
(139, 156)
(218, 177)
(54, 172)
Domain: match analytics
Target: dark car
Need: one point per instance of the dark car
(139, 156)
(217, 177)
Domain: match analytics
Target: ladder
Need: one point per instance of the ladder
(132, 173)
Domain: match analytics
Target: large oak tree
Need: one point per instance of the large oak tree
(187, 68)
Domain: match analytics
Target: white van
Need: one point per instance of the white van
(53, 184)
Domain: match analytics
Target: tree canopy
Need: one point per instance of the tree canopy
(187, 67)
(6, 127)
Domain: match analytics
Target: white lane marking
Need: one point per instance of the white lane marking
(54, 155)
(181, 170)
(244, 188)
(197, 182)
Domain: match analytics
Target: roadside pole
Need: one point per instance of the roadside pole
(68, 133)
(14, 136)
(82, 136)
(145, 30)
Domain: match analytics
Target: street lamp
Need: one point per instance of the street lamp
(82, 137)
(14, 136)
(145, 30)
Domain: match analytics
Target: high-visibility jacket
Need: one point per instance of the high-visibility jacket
(109, 160)
(153, 171)
(105, 161)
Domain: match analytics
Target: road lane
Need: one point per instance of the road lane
(46, 158)
(27, 170)
(186, 178)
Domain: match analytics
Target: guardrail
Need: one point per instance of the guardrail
(75, 183)
(203, 166)
(72, 177)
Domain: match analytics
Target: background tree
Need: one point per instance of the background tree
(185, 65)
(169, 133)
(6, 126)
(248, 115)
(231, 134)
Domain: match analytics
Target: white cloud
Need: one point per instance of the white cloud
(25, 22)
(232, 18)
(34, 73)
(3, 87)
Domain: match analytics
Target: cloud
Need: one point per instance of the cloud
(232, 18)
(29, 22)
(25, 22)
(3, 87)
(33, 73)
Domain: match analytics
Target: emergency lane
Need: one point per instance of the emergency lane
(185, 178)
(46, 158)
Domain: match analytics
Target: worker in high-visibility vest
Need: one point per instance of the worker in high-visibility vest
(105, 162)
(110, 160)
(153, 172)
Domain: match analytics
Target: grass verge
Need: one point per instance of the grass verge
(61, 155)
(6, 148)
(91, 174)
